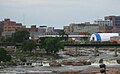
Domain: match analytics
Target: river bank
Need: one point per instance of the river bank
(68, 63)
(58, 70)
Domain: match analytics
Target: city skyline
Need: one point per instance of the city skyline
(57, 13)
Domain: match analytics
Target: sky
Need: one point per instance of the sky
(57, 13)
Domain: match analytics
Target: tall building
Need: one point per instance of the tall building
(116, 22)
(8, 27)
(105, 26)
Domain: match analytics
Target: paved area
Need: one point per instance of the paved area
(96, 70)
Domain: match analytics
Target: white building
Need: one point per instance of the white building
(103, 22)
(42, 29)
(49, 29)
(102, 36)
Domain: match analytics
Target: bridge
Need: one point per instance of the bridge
(71, 44)
(93, 45)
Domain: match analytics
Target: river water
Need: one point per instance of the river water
(105, 55)
(21, 69)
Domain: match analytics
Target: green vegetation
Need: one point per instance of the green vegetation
(20, 36)
(51, 45)
(28, 45)
(5, 39)
(4, 56)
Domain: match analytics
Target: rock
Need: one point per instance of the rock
(77, 64)
(67, 62)
(87, 63)
(54, 63)
(118, 61)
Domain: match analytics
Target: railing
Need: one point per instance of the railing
(93, 44)
(70, 44)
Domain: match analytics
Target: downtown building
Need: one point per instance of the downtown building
(8, 27)
(81, 28)
(105, 26)
(116, 22)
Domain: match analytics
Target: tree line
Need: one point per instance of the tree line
(51, 45)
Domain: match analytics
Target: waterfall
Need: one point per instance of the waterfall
(106, 62)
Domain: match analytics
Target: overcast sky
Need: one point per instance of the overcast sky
(57, 13)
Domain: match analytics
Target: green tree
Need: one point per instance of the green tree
(5, 39)
(20, 36)
(4, 56)
(8, 39)
(2, 39)
(42, 42)
(52, 45)
(28, 45)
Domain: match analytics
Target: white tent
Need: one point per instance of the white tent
(102, 36)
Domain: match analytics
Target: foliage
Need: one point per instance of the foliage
(42, 42)
(20, 36)
(8, 39)
(28, 45)
(52, 45)
(5, 39)
(4, 56)
(2, 39)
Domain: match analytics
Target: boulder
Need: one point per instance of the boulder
(54, 63)
(118, 61)
(67, 62)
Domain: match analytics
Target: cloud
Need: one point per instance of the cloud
(58, 11)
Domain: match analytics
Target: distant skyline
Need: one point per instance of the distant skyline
(57, 13)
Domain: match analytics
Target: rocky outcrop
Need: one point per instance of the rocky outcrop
(54, 63)
(75, 63)
(118, 61)
(67, 62)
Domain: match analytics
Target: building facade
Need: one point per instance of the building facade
(105, 26)
(50, 29)
(106, 29)
(101, 22)
(84, 27)
(116, 22)
(67, 29)
(8, 27)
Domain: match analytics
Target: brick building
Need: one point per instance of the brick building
(7, 27)
(33, 28)
(105, 26)
(116, 22)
